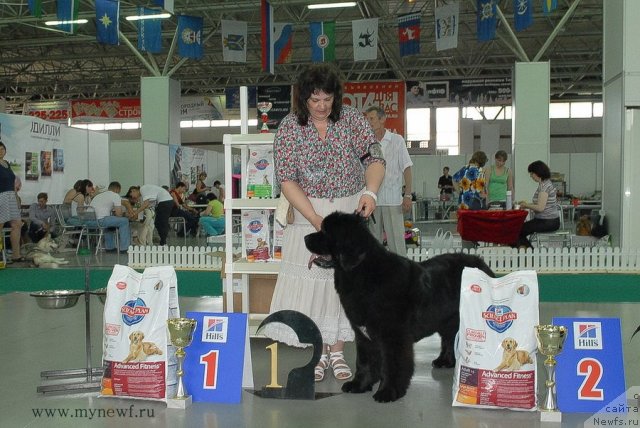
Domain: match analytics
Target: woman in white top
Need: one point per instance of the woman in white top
(149, 194)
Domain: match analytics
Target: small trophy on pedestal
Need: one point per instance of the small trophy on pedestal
(181, 334)
(264, 107)
(550, 340)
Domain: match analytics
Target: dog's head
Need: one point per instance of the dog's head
(342, 241)
(136, 337)
(47, 244)
(509, 344)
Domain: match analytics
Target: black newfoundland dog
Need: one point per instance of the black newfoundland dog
(391, 302)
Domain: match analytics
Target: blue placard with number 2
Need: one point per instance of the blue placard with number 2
(214, 362)
(590, 370)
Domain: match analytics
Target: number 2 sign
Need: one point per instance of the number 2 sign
(590, 370)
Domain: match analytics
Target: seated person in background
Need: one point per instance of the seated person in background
(41, 218)
(218, 189)
(212, 219)
(181, 209)
(141, 224)
(544, 205)
(199, 195)
(109, 213)
(445, 184)
(83, 190)
(469, 181)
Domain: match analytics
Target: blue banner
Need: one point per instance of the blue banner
(487, 20)
(149, 32)
(107, 21)
(522, 14)
(549, 6)
(215, 360)
(190, 36)
(67, 10)
(409, 34)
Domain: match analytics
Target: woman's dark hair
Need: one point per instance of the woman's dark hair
(318, 77)
(211, 196)
(83, 186)
(180, 184)
(501, 154)
(128, 195)
(540, 169)
(2, 145)
(479, 158)
(77, 186)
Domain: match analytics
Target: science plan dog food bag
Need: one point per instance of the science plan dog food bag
(260, 172)
(256, 235)
(496, 344)
(138, 358)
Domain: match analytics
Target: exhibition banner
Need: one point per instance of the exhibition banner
(388, 95)
(187, 163)
(55, 111)
(105, 110)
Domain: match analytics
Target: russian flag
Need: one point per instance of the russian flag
(282, 42)
(266, 12)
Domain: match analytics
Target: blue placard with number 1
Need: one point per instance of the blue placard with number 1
(215, 359)
(590, 370)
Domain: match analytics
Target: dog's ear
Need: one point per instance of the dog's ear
(515, 344)
(350, 260)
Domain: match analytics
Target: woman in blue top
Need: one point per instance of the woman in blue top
(469, 181)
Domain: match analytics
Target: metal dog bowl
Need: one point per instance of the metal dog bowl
(101, 293)
(57, 299)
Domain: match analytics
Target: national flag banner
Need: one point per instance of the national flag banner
(522, 14)
(234, 41)
(266, 32)
(549, 6)
(447, 21)
(487, 20)
(67, 10)
(149, 32)
(165, 4)
(282, 42)
(190, 30)
(365, 39)
(409, 34)
(107, 21)
(323, 41)
(35, 8)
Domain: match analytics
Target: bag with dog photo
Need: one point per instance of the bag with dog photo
(496, 344)
(138, 358)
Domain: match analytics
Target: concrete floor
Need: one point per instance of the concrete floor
(35, 339)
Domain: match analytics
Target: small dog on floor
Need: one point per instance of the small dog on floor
(41, 253)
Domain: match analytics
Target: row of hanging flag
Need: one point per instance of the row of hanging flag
(277, 38)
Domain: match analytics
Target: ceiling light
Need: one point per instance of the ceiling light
(75, 21)
(141, 17)
(331, 5)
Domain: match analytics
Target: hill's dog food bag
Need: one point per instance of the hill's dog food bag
(138, 358)
(278, 239)
(496, 344)
(256, 234)
(260, 173)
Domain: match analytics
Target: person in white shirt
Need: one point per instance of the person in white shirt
(391, 202)
(110, 213)
(149, 194)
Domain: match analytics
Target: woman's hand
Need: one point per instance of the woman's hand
(366, 205)
(316, 221)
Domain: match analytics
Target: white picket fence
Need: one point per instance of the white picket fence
(500, 259)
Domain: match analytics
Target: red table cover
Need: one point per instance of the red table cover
(497, 226)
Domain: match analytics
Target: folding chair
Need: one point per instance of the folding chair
(91, 228)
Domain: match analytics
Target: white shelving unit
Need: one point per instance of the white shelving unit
(242, 266)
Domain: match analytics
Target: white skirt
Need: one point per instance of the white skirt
(309, 291)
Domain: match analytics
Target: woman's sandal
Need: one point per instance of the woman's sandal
(341, 370)
(322, 365)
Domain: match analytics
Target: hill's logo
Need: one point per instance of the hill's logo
(255, 226)
(134, 311)
(587, 335)
(214, 329)
(261, 164)
(499, 317)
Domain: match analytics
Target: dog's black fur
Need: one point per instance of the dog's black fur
(391, 302)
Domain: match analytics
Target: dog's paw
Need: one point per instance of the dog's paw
(387, 395)
(355, 387)
(443, 363)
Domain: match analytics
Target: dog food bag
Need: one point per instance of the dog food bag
(256, 235)
(260, 173)
(496, 344)
(278, 238)
(138, 358)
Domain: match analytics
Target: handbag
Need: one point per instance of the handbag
(284, 212)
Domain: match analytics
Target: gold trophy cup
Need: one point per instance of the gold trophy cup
(550, 340)
(264, 107)
(181, 334)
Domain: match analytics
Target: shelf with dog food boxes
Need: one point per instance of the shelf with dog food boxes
(252, 194)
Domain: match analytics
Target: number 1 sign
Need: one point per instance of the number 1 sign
(590, 370)
(218, 357)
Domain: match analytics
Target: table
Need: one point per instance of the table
(495, 226)
(580, 206)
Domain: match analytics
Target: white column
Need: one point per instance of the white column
(621, 121)
(530, 123)
(160, 103)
